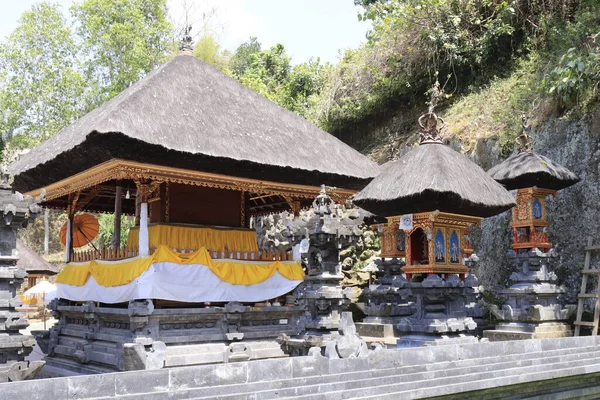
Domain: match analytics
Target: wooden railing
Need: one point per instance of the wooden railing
(120, 254)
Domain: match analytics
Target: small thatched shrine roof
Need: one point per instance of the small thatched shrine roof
(434, 177)
(528, 169)
(188, 114)
(31, 262)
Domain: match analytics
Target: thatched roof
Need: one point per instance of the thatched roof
(31, 262)
(527, 169)
(188, 114)
(434, 177)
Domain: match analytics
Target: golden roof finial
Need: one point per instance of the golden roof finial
(524, 141)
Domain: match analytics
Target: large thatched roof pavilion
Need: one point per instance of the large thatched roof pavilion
(442, 192)
(188, 115)
(193, 154)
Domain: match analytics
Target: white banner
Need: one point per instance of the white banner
(406, 222)
(304, 246)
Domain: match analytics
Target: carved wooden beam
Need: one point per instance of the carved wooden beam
(131, 170)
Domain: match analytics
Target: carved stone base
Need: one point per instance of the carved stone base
(532, 309)
(14, 347)
(440, 307)
(522, 331)
(90, 339)
(377, 332)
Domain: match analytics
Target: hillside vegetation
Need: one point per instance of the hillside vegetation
(497, 58)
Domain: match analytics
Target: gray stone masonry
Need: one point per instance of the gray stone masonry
(91, 339)
(532, 309)
(410, 314)
(15, 212)
(321, 295)
(539, 366)
(440, 313)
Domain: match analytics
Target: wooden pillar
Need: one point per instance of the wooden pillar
(69, 239)
(71, 210)
(243, 211)
(116, 239)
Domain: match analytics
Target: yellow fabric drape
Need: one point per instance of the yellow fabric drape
(187, 237)
(236, 272)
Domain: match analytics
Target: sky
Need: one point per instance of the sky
(307, 28)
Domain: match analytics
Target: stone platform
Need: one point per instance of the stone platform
(532, 309)
(540, 369)
(90, 339)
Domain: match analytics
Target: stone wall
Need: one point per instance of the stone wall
(502, 368)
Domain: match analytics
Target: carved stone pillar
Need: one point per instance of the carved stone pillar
(16, 211)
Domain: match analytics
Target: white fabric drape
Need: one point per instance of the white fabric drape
(143, 238)
(193, 283)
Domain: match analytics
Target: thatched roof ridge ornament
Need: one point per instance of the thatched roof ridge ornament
(430, 132)
(187, 114)
(432, 177)
(186, 47)
(524, 141)
(527, 169)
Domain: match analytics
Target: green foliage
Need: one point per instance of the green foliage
(123, 40)
(105, 234)
(492, 111)
(243, 57)
(475, 41)
(268, 72)
(208, 50)
(300, 91)
(41, 84)
(575, 72)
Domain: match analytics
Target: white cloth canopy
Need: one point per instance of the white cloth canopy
(170, 281)
(44, 290)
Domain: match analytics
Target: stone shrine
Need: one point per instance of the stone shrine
(532, 309)
(327, 230)
(434, 195)
(17, 210)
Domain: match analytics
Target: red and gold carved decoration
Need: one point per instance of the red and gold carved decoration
(437, 243)
(529, 223)
(393, 240)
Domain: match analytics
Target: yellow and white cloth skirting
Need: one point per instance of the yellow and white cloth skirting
(172, 276)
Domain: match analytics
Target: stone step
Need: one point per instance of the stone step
(382, 385)
(470, 386)
(383, 372)
(437, 386)
(299, 386)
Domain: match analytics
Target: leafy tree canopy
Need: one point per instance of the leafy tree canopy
(41, 83)
(122, 41)
(208, 50)
(242, 58)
